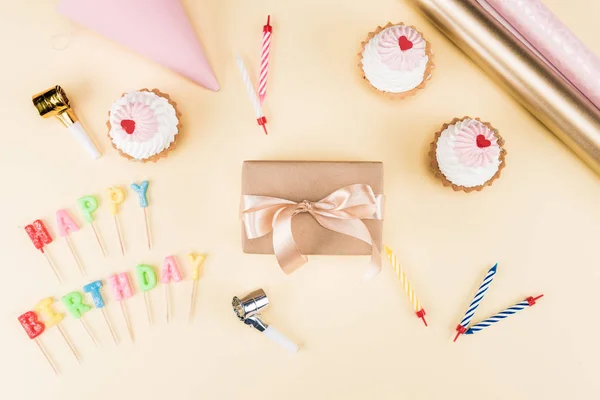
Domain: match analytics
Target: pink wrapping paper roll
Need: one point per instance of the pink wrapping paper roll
(553, 39)
(560, 106)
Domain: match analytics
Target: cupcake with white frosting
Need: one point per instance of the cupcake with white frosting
(396, 60)
(143, 125)
(467, 154)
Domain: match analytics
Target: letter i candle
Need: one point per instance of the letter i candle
(88, 206)
(414, 301)
(40, 236)
(116, 196)
(52, 318)
(170, 272)
(34, 328)
(141, 191)
(122, 291)
(66, 225)
(93, 288)
(196, 260)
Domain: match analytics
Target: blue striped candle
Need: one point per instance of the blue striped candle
(528, 302)
(485, 285)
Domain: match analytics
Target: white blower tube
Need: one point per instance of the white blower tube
(280, 339)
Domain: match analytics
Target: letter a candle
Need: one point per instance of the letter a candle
(170, 272)
(66, 225)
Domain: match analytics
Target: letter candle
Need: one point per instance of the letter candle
(528, 302)
(122, 291)
(34, 328)
(196, 260)
(54, 103)
(170, 272)
(76, 307)
(264, 60)
(93, 288)
(88, 206)
(260, 118)
(66, 225)
(52, 318)
(40, 236)
(141, 191)
(116, 196)
(414, 301)
(485, 285)
(146, 277)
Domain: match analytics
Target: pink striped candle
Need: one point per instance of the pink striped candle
(264, 60)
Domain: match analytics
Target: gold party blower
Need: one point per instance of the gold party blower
(54, 103)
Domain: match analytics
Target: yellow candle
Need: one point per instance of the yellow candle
(412, 296)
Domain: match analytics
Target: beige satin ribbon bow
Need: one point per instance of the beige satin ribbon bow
(341, 212)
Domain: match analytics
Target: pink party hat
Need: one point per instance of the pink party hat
(157, 29)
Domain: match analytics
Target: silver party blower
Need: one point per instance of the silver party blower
(247, 310)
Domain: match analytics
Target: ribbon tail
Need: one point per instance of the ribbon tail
(285, 249)
(374, 265)
(357, 229)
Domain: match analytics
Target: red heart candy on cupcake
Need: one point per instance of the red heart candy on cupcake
(128, 125)
(404, 43)
(482, 142)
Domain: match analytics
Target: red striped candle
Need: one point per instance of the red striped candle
(264, 60)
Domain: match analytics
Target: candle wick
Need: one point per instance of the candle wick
(268, 20)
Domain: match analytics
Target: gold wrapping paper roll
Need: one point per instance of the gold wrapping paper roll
(559, 106)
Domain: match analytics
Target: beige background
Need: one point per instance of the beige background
(359, 341)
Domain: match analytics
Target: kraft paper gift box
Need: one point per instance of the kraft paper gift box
(311, 180)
